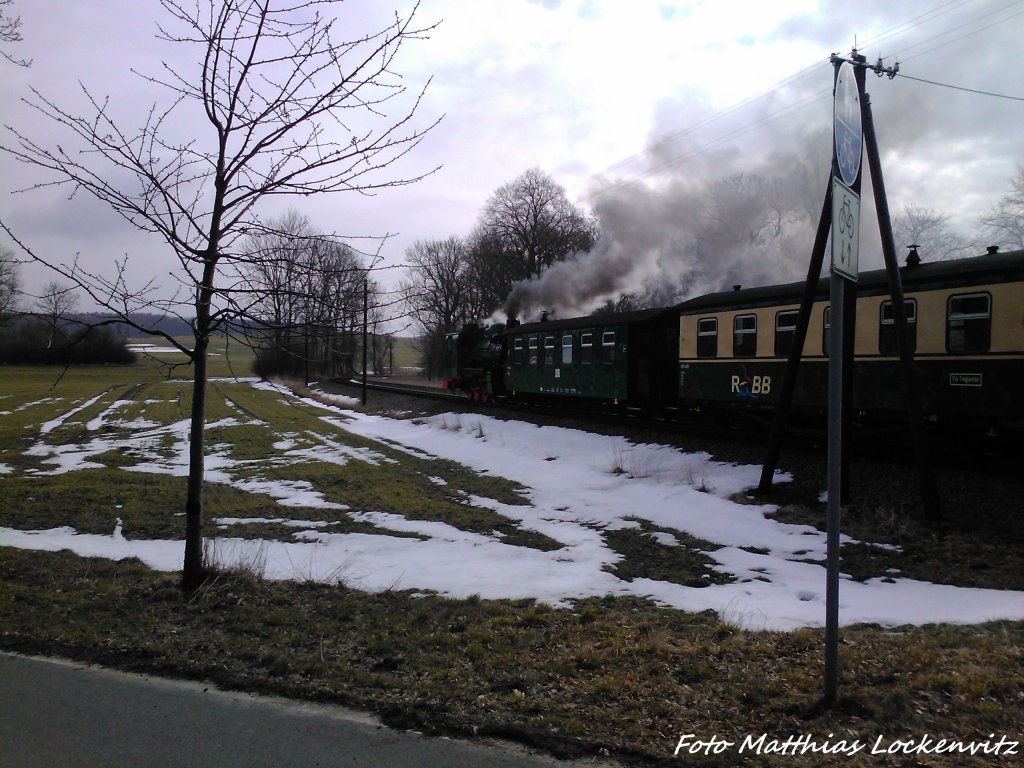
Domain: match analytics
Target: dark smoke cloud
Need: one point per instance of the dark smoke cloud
(676, 235)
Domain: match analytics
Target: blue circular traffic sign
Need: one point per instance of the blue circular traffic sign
(846, 124)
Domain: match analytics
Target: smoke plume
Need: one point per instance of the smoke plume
(675, 236)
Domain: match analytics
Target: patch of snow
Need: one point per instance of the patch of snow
(330, 396)
(573, 500)
(94, 424)
(154, 349)
(664, 538)
(54, 423)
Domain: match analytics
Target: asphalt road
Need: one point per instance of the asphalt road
(60, 714)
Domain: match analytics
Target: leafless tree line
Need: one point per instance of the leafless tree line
(309, 295)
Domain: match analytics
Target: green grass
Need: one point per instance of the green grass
(150, 506)
(227, 358)
(406, 353)
(267, 435)
(643, 556)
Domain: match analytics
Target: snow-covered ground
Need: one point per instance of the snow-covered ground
(579, 485)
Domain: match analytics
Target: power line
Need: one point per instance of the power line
(966, 34)
(916, 21)
(960, 88)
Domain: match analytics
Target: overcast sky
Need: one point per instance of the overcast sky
(600, 94)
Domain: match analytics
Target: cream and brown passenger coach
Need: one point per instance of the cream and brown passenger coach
(966, 320)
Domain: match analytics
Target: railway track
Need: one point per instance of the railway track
(423, 391)
(883, 444)
(980, 493)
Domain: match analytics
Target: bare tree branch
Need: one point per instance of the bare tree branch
(1005, 219)
(10, 27)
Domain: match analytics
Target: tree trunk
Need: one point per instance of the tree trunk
(192, 572)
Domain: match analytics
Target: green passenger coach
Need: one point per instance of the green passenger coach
(615, 359)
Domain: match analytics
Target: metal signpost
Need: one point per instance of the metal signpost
(853, 135)
(845, 240)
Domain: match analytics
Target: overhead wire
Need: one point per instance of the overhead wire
(947, 7)
(947, 32)
(961, 88)
(798, 75)
(901, 28)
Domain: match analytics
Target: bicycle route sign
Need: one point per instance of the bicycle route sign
(847, 124)
(845, 230)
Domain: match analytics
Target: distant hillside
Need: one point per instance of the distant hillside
(173, 326)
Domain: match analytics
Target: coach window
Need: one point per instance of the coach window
(785, 331)
(567, 349)
(549, 351)
(744, 336)
(888, 340)
(534, 357)
(586, 348)
(517, 351)
(707, 337)
(608, 347)
(969, 323)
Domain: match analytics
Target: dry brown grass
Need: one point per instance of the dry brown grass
(611, 675)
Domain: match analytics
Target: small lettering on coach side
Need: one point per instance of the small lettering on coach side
(965, 379)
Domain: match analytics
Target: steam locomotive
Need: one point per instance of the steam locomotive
(725, 353)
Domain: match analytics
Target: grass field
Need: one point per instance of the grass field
(88, 446)
(101, 450)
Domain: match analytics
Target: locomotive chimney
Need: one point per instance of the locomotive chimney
(992, 249)
(737, 287)
(913, 258)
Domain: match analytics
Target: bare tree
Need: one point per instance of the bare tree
(10, 27)
(55, 304)
(8, 283)
(289, 109)
(746, 209)
(1005, 220)
(490, 273)
(307, 297)
(435, 287)
(331, 287)
(273, 259)
(436, 290)
(929, 230)
(535, 224)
